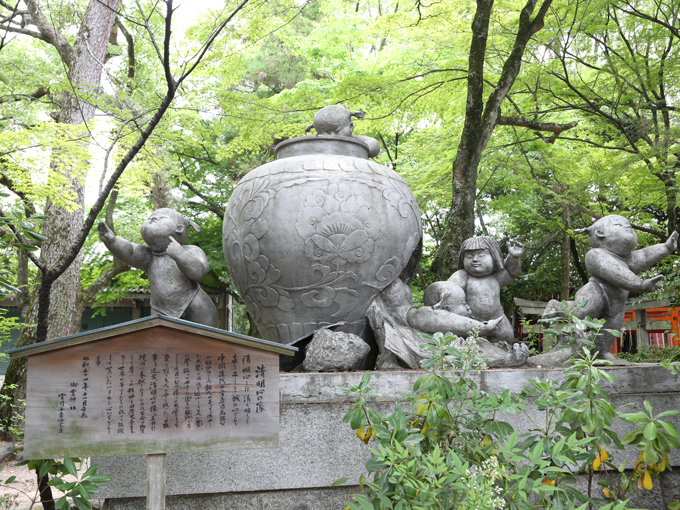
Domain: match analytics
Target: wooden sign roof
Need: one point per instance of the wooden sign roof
(151, 322)
(154, 385)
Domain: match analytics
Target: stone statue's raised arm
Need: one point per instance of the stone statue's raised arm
(642, 259)
(132, 254)
(512, 265)
(608, 267)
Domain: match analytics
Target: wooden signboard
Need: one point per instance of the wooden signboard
(152, 386)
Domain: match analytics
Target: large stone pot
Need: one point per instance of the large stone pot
(312, 237)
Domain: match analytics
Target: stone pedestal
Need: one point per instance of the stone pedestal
(317, 448)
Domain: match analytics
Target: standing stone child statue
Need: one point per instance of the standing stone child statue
(174, 269)
(613, 264)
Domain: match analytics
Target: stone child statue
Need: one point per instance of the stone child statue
(613, 264)
(481, 274)
(469, 300)
(174, 269)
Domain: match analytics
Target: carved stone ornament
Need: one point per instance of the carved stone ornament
(311, 238)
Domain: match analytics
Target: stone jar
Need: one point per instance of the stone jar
(311, 238)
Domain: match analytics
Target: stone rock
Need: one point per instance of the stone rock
(6, 450)
(557, 357)
(333, 350)
(552, 358)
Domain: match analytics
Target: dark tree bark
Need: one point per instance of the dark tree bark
(577, 262)
(480, 120)
(565, 254)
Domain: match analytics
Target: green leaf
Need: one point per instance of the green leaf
(649, 455)
(650, 431)
(82, 504)
(339, 481)
(358, 419)
(90, 471)
(670, 428)
(366, 378)
(99, 478)
(44, 468)
(28, 247)
(11, 479)
(70, 466)
(36, 236)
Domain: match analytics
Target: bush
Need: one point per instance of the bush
(652, 355)
(448, 449)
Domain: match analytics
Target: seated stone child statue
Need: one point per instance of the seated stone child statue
(446, 310)
(173, 268)
(397, 324)
(481, 274)
(613, 264)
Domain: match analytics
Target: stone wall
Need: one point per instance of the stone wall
(316, 447)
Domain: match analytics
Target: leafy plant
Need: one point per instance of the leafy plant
(652, 355)
(9, 501)
(16, 426)
(449, 448)
(80, 490)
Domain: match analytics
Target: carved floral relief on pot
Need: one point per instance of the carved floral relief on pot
(337, 226)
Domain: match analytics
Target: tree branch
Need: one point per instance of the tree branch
(117, 268)
(212, 205)
(50, 33)
(41, 92)
(21, 239)
(130, 49)
(552, 127)
(19, 30)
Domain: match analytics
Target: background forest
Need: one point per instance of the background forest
(517, 119)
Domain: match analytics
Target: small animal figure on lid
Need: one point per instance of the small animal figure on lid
(174, 269)
(336, 120)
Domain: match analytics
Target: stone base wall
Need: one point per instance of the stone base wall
(316, 447)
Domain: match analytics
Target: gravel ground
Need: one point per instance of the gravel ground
(26, 486)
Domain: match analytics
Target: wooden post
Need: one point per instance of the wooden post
(221, 304)
(230, 312)
(642, 335)
(155, 482)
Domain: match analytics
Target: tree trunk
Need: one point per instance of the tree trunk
(13, 391)
(83, 61)
(62, 225)
(565, 254)
(480, 120)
